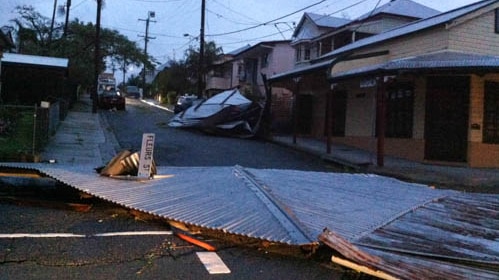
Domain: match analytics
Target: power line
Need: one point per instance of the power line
(236, 12)
(291, 29)
(267, 22)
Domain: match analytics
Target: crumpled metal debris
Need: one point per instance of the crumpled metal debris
(123, 164)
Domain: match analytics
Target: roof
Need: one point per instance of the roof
(405, 8)
(164, 66)
(321, 21)
(249, 50)
(35, 60)
(409, 230)
(326, 20)
(391, 34)
(302, 70)
(239, 50)
(434, 61)
(413, 27)
(268, 204)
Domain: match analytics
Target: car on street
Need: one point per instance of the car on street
(184, 102)
(133, 92)
(110, 99)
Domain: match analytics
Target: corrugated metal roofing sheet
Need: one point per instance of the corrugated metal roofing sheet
(35, 60)
(302, 70)
(434, 61)
(407, 230)
(285, 206)
(404, 8)
(412, 27)
(327, 21)
(456, 237)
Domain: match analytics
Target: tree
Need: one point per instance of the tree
(181, 75)
(211, 53)
(31, 31)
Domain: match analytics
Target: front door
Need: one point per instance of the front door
(304, 103)
(446, 128)
(339, 109)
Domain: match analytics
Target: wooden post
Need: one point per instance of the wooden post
(381, 120)
(295, 108)
(329, 109)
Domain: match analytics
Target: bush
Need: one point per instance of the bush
(16, 132)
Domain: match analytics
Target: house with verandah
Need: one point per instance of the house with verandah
(317, 35)
(427, 91)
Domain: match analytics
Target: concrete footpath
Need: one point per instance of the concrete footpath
(82, 138)
(85, 138)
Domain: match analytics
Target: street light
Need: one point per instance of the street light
(150, 14)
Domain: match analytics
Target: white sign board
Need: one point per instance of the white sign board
(146, 155)
(367, 83)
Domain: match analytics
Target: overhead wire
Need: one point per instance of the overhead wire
(236, 12)
(291, 29)
(267, 22)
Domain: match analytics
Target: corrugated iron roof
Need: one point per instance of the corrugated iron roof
(302, 70)
(34, 60)
(433, 61)
(285, 206)
(321, 21)
(455, 237)
(406, 8)
(408, 230)
(327, 21)
(412, 27)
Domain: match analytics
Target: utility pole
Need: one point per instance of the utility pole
(150, 15)
(97, 58)
(52, 22)
(201, 52)
(66, 22)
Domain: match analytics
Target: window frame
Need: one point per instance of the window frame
(400, 110)
(490, 130)
(307, 54)
(496, 21)
(298, 54)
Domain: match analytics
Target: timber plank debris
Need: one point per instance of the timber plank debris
(386, 227)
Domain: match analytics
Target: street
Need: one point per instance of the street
(180, 147)
(87, 252)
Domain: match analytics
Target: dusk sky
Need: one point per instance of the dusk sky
(230, 23)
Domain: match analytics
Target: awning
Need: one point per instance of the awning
(448, 60)
(15, 58)
(301, 71)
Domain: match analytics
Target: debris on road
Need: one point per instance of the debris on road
(403, 230)
(227, 113)
(125, 163)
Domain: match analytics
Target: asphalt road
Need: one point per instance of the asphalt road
(187, 147)
(85, 254)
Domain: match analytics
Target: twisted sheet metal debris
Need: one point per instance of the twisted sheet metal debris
(294, 207)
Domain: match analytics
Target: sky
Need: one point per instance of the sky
(230, 23)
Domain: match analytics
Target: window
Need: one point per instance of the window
(298, 54)
(307, 54)
(491, 113)
(241, 74)
(497, 20)
(265, 60)
(399, 111)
